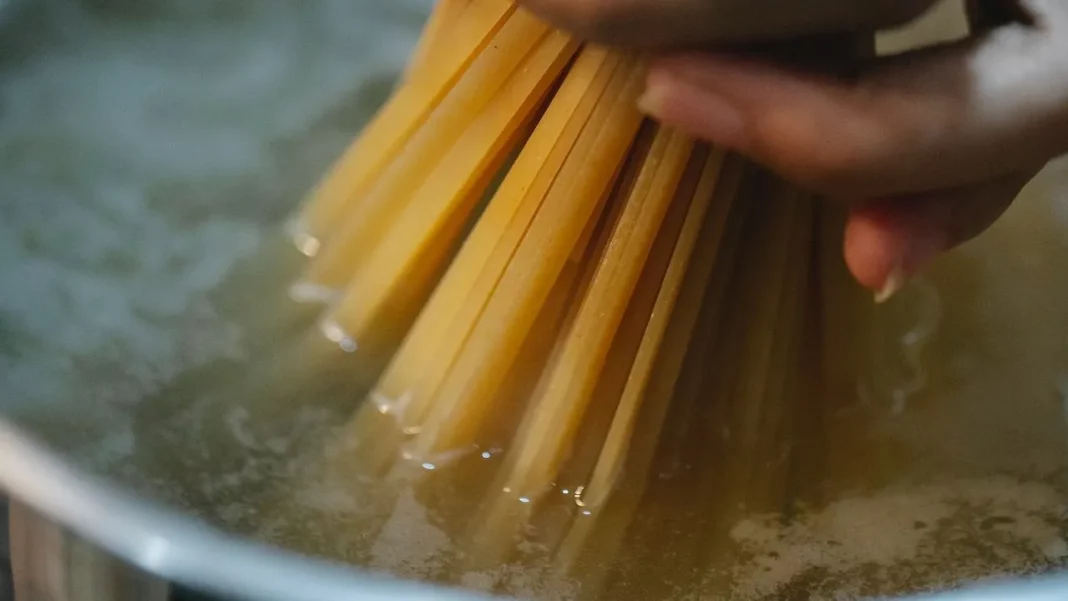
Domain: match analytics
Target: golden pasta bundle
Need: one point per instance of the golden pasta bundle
(568, 294)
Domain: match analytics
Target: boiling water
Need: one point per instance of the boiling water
(149, 152)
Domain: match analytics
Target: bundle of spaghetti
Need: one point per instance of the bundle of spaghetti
(624, 296)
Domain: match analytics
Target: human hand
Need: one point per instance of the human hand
(929, 148)
(659, 23)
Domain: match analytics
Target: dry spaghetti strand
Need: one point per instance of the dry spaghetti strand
(542, 445)
(467, 394)
(447, 14)
(392, 127)
(364, 225)
(385, 282)
(438, 335)
(637, 428)
(615, 447)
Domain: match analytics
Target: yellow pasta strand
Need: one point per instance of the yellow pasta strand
(383, 279)
(542, 445)
(447, 14)
(403, 115)
(615, 447)
(586, 441)
(629, 450)
(448, 317)
(365, 223)
(468, 392)
(492, 536)
(406, 391)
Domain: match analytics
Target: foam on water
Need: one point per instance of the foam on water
(145, 149)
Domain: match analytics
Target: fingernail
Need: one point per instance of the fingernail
(895, 281)
(922, 248)
(693, 108)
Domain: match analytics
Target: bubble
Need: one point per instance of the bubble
(334, 333)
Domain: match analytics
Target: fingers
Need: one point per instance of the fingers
(933, 119)
(889, 239)
(681, 22)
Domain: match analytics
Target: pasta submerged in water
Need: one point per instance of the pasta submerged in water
(626, 297)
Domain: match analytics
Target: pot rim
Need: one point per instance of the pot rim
(188, 551)
(181, 548)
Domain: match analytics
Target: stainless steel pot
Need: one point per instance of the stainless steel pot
(76, 538)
